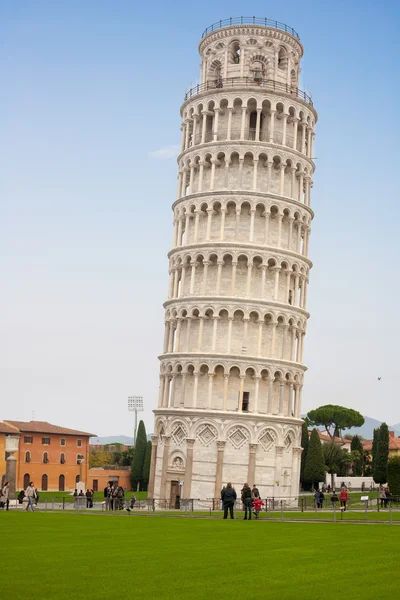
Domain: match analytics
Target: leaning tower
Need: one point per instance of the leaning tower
(232, 368)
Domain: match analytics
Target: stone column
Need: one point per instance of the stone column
(256, 392)
(216, 117)
(187, 485)
(281, 398)
(219, 275)
(164, 469)
(255, 166)
(270, 391)
(214, 335)
(219, 470)
(294, 489)
(251, 473)
(279, 450)
(210, 389)
(153, 461)
(192, 278)
(222, 227)
(272, 127)
(244, 109)
(11, 474)
(258, 123)
(203, 126)
(229, 129)
(266, 215)
(233, 289)
(183, 389)
(161, 391)
(230, 321)
(285, 116)
(226, 383)
(195, 388)
(209, 218)
(242, 378)
(295, 128)
(282, 181)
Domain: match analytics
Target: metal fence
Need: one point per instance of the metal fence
(237, 82)
(281, 508)
(263, 21)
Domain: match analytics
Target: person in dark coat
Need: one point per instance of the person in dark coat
(228, 497)
(246, 499)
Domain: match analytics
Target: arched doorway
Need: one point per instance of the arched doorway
(61, 483)
(44, 483)
(26, 480)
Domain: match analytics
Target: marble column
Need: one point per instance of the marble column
(187, 485)
(251, 473)
(219, 469)
(153, 461)
(163, 487)
(294, 490)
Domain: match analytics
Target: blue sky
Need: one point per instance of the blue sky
(89, 91)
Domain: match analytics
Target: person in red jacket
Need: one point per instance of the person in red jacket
(257, 505)
(343, 497)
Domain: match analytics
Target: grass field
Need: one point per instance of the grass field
(98, 557)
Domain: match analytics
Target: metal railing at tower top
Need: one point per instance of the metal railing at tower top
(250, 21)
(230, 82)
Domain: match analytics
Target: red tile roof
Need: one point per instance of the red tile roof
(44, 427)
(394, 444)
(325, 437)
(6, 429)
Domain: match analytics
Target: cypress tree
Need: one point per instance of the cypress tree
(380, 468)
(146, 466)
(138, 458)
(394, 475)
(374, 449)
(304, 445)
(314, 469)
(356, 446)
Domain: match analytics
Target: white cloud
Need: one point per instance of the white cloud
(167, 152)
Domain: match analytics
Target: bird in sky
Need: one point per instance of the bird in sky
(379, 378)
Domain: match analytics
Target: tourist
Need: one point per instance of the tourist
(387, 495)
(228, 497)
(246, 499)
(107, 495)
(21, 497)
(254, 492)
(257, 505)
(5, 496)
(30, 493)
(75, 493)
(88, 498)
(317, 498)
(382, 495)
(334, 499)
(343, 496)
(132, 502)
(321, 498)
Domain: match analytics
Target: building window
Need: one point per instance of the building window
(95, 485)
(79, 443)
(44, 483)
(245, 402)
(79, 459)
(61, 483)
(63, 442)
(27, 479)
(28, 439)
(27, 456)
(77, 479)
(45, 458)
(62, 458)
(46, 441)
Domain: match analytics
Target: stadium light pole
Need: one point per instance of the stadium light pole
(135, 404)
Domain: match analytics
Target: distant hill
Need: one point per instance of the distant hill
(114, 439)
(367, 430)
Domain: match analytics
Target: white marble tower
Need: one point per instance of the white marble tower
(232, 369)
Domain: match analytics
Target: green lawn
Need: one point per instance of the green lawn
(98, 496)
(68, 556)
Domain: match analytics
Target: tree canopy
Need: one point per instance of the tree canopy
(394, 475)
(335, 418)
(380, 466)
(138, 458)
(314, 468)
(357, 450)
